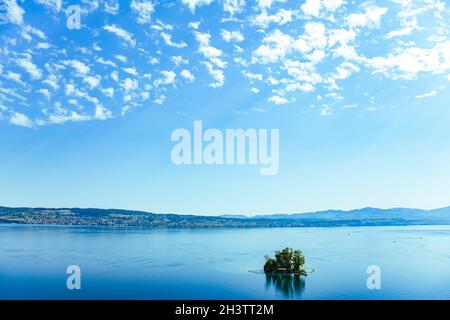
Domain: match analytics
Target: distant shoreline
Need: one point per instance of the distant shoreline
(125, 218)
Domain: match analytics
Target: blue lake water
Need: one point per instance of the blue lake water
(118, 263)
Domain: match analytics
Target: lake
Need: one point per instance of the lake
(121, 263)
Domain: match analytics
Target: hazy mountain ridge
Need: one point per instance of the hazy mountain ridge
(364, 213)
(328, 218)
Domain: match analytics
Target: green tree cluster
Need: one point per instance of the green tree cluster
(286, 261)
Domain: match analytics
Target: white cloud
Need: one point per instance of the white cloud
(25, 33)
(168, 40)
(43, 45)
(121, 58)
(229, 36)
(160, 99)
(167, 79)
(30, 67)
(204, 47)
(314, 37)
(102, 113)
(160, 26)
(219, 62)
(400, 32)
(432, 93)
(153, 61)
(92, 81)
(11, 93)
(278, 100)
(14, 13)
(275, 46)
(131, 71)
(111, 6)
(342, 43)
(315, 7)
(333, 5)
(109, 92)
(52, 81)
(371, 17)
(252, 76)
(121, 33)
(52, 4)
(179, 60)
(193, 4)
(407, 63)
(238, 49)
(20, 119)
(143, 9)
(326, 110)
(194, 25)
(68, 116)
(115, 76)
(129, 84)
(233, 6)
(302, 87)
(187, 75)
(45, 93)
(211, 53)
(145, 95)
(80, 68)
(62, 115)
(345, 70)
(278, 45)
(282, 17)
(311, 7)
(101, 60)
(266, 4)
(14, 76)
(217, 74)
(335, 96)
(71, 90)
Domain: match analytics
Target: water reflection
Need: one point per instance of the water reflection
(290, 286)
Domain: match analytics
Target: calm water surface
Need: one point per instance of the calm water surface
(215, 264)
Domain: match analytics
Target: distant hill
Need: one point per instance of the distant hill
(407, 214)
(123, 218)
(367, 213)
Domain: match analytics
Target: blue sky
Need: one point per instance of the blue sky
(359, 91)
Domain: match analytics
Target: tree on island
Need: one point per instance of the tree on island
(287, 261)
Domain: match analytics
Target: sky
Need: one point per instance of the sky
(358, 91)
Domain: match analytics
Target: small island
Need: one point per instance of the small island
(287, 261)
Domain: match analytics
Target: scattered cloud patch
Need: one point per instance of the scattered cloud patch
(187, 75)
(329, 53)
(121, 33)
(168, 40)
(20, 119)
(143, 9)
(13, 13)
